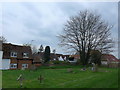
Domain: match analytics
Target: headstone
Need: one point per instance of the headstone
(40, 78)
(94, 68)
(70, 70)
(22, 68)
(20, 79)
(83, 69)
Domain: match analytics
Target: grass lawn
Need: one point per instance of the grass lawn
(58, 77)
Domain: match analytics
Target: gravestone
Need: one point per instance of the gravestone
(84, 68)
(40, 78)
(94, 68)
(22, 68)
(70, 70)
(20, 79)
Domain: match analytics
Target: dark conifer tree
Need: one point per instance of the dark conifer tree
(47, 54)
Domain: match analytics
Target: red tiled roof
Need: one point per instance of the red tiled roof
(110, 58)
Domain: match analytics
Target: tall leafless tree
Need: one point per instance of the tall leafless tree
(85, 32)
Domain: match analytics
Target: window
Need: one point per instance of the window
(25, 55)
(13, 65)
(13, 54)
(24, 65)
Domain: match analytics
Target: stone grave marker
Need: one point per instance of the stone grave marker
(94, 68)
(40, 78)
(20, 79)
(70, 70)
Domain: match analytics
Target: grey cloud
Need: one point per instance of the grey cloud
(42, 22)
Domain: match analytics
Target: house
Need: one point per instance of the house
(105, 59)
(16, 56)
(38, 58)
(109, 60)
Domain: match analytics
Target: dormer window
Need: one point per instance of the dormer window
(13, 54)
(25, 55)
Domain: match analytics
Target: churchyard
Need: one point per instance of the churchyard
(61, 77)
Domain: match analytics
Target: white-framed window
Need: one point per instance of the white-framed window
(24, 65)
(13, 54)
(25, 55)
(13, 65)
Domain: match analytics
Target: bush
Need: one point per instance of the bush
(58, 62)
(33, 67)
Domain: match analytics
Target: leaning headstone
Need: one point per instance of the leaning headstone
(20, 79)
(22, 68)
(40, 78)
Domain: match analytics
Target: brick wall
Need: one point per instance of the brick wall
(29, 62)
(20, 62)
(38, 65)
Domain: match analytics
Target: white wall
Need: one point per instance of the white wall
(5, 63)
(104, 62)
(1, 54)
(60, 58)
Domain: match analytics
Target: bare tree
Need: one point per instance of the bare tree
(85, 32)
(3, 39)
(33, 47)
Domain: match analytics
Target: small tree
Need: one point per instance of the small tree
(41, 48)
(96, 57)
(47, 54)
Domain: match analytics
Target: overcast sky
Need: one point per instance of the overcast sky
(43, 21)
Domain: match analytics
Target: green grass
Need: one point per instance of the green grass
(58, 77)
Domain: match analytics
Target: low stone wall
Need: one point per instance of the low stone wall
(111, 65)
(114, 65)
